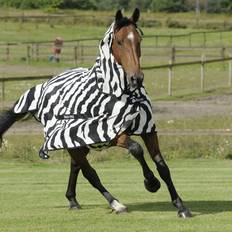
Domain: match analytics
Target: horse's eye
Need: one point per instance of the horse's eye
(119, 42)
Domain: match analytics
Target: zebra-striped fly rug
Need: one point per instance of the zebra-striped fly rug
(88, 106)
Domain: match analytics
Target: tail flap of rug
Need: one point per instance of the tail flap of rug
(28, 102)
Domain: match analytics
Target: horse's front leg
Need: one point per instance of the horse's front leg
(79, 156)
(71, 189)
(151, 183)
(152, 144)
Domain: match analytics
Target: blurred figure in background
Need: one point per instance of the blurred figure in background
(56, 49)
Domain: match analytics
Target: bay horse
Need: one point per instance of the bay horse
(122, 56)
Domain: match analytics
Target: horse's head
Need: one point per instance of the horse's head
(126, 47)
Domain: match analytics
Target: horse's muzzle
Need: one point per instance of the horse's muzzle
(136, 80)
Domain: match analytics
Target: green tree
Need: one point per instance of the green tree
(30, 4)
(226, 6)
(214, 6)
(143, 5)
(78, 4)
(104, 4)
(122, 4)
(159, 5)
(169, 5)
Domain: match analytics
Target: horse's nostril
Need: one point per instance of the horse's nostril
(133, 82)
(141, 77)
(140, 81)
(136, 80)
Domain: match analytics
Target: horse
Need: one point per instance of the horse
(100, 107)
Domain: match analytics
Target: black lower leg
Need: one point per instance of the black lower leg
(151, 183)
(91, 175)
(152, 144)
(71, 189)
(79, 156)
(164, 173)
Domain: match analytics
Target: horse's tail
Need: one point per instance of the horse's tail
(7, 119)
(26, 103)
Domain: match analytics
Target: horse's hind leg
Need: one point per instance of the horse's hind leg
(91, 175)
(151, 183)
(152, 144)
(71, 190)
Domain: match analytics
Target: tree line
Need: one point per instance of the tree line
(215, 6)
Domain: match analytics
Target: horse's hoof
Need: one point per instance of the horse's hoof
(152, 184)
(74, 205)
(122, 210)
(118, 207)
(43, 154)
(185, 213)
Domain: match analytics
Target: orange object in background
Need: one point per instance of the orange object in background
(56, 49)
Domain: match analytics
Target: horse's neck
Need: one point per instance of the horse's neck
(110, 76)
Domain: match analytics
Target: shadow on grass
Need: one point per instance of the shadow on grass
(197, 207)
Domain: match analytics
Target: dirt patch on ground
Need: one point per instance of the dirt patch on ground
(206, 106)
(28, 70)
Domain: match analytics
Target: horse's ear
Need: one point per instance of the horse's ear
(118, 15)
(135, 15)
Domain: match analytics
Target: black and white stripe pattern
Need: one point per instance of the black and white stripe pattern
(87, 106)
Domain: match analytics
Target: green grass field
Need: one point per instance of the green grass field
(32, 191)
(186, 80)
(32, 198)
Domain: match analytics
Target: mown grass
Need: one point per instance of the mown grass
(43, 32)
(223, 122)
(32, 198)
(32, 190)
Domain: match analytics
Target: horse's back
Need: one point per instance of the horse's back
(46, 92)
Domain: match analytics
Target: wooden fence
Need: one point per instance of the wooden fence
(189, 37)
(84, 51)
(79, 54)
(169, 67)
(75, 51)
(203, 35)
(202, 64)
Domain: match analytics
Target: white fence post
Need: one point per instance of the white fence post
(75, 56)
(170, 74)
(3, 94)
(230, 72)
(202, 72)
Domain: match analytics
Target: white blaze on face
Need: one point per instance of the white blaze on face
(130, 36)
